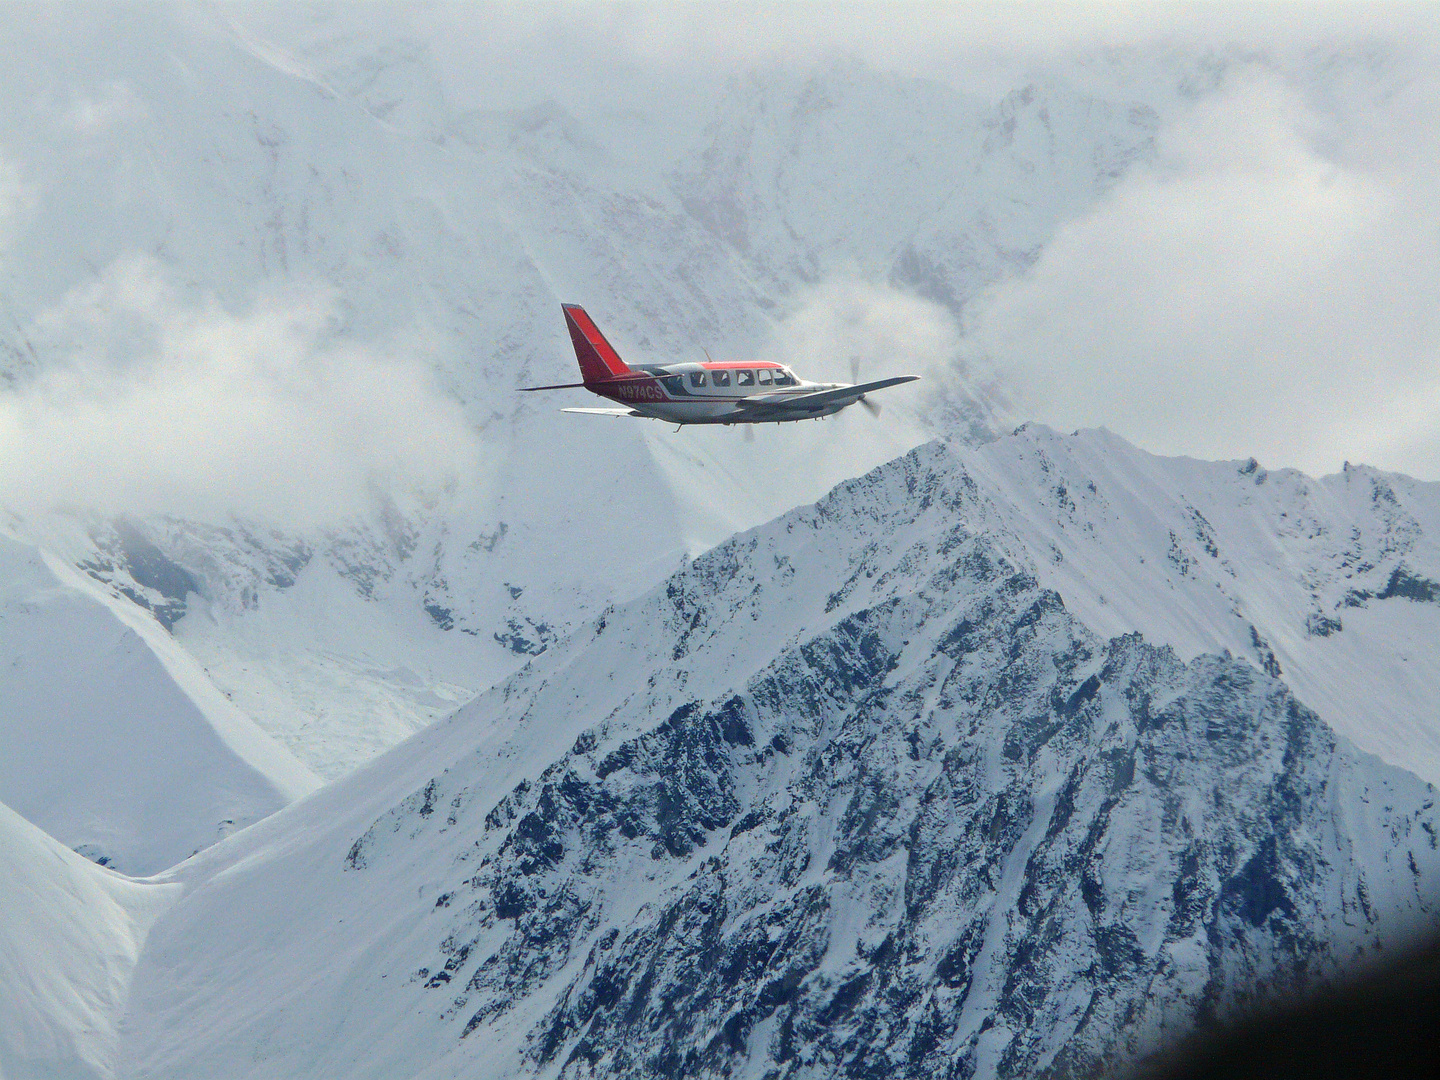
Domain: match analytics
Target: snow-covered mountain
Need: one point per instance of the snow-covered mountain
(1330, 584)
(70, 933)
(115, 741)
(855, 791)
(1014, 756)
(230, 172)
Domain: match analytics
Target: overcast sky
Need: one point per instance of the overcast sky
(1268, 286)
(1265, 286)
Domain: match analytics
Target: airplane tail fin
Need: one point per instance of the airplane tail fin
(599, 362)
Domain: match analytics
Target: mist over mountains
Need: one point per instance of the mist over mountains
(1016, 755)
(358, 254)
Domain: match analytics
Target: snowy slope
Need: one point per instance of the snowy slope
(854, 791)
(341, 628)
(70, 932)
(116, 743)
(1331, 584)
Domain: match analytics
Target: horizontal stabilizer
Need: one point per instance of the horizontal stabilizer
(557, 386)
(606, 412)
(595, 386)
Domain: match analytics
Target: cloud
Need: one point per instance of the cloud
(1266, 287)
(846, 327)
(110, 104)
(155, 400)
(16, 198)
(752, 476)
(577, 52)
(888, 331)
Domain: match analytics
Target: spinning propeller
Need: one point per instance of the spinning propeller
(872, 407)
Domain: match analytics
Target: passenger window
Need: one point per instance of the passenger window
(697, 378)
(722, 378)
(784, 378)
(744, 378)
(764, 376)
(675, 384)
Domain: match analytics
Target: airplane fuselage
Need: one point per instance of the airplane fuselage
(711, 393)
(730, 392)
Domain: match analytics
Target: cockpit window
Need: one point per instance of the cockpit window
(722, 378)
(763, 375)
(697, 378)
(744, 378)
(784, 378)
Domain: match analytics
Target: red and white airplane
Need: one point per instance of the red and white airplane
(732, 392)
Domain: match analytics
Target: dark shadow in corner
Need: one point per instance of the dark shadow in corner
(1385, 1023)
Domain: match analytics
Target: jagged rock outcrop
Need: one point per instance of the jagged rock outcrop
(1029, 852)
(852, 794)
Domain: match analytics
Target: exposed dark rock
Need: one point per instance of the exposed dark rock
(1411, 586)
(1018, 851)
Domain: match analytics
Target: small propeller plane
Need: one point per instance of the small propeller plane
(729, 392)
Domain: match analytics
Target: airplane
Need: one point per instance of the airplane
(729, 392)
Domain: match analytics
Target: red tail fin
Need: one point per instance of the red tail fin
(599, 362)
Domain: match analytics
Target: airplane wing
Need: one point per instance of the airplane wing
(607, 412)
(779, 404)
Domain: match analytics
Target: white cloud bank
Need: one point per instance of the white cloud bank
(887, 331)
(1268, 287)
(16, 198)
(157, 402)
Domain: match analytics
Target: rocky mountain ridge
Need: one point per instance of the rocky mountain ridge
(854, 794)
